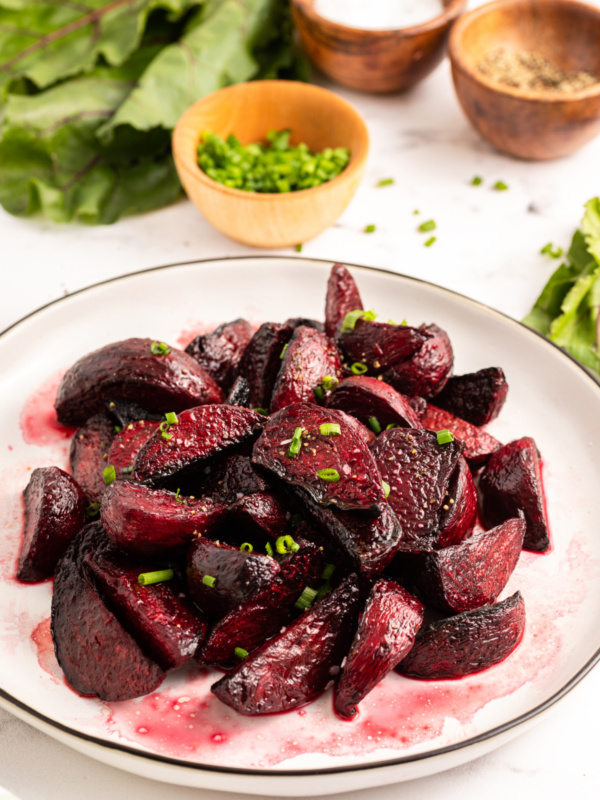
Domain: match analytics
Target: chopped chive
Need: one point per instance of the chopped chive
(299, 248)
(444, 437)
(208, 580)
(160, 575)
(178, 498)
(358, 369)
(500, 186)
(324, 590)
(159, 349)
(390, 426)
(330, 429)
(318, 392)
(404, 322)
(285, 544)
(328, 572)
(269, 549)
(351, 319)
(306, 599)
(425, 227)
(296, 443)
(328, 382)
(369, 229)
(240, 653)
(246, 547)
(110, 474)
(431, 241)
(330, 475)
(386, 489)
(391, 322)
(283, 352)
(127, 470)
(264, 411)
(295, 520)
(171, 418)
(477, 181)
(374, 424)
(117, 429)
(416, 211)
(385, 182)
(550, 250)
(164, 427)
(92, 509)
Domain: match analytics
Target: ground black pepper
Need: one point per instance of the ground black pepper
(531, 71)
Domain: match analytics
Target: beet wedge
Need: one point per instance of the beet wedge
(426, 371)
(512, 481)
(160, 618)
(89, 455)
(479, 445)
(341, 298)
(477, 397)
(354, 481)
(239, 394)
(296, 666)
(95, 652)
(152, 522)
(386, 633)
(309, 357)
(124, 412)
(167, 381)
(459, 508)
(54, 515)
(127, 444)
(261, 361)
(219, 352)
(378, 346)
(367, 398)
(470, 574)
(232, 479)
(467, 643)
(200, 435)
(260, 514)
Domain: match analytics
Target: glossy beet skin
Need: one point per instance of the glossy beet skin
(386, 632)
(95, 652)
(467, 643)
(342, 297)
(359, 484)
(239, 394)
(477, 397)
(127, 444)
(261, 361)
(219, 352)
(54, 515)
(366, 397)
(231, 478)
(130, 371)
(295, 667)
(260, 514)
(470, 574)
(152, 522)
(479, 445)
(512, 481)
(426, 371)
(459, 508)
(380, 345)
(201, 435)
(159, 617)
(89, 455)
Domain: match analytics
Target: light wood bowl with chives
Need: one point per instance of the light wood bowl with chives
(315, 116)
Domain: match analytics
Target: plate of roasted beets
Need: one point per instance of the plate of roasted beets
(282, 527)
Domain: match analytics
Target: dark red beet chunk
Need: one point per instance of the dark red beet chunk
(512, 480)
(260, 513)
(261, 361)
(459, 509)
(418, 471)
(129, 370)
(219, 352)
(126, 446)
(425, 373)
(359, 483)
(380, 345)
(296, 666)
(470, 574)
(479, 445)
(240, 393)
(232, 479)
(124, 412)
(149, 522)
(95, 652)
(201, 435)
(342, 297)
(386, 632)
(54, 515)
(159, 617)
(467, 643)
(310, 356)
(366, 397)
(477, 397)
(89, 455)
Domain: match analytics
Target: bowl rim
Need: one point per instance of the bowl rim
(458, 62)
(353, 168)
(449, 13)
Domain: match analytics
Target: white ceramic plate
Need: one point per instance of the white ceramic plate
(406, 729)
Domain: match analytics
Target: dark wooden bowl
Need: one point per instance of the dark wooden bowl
(370, 60)
(532, 125)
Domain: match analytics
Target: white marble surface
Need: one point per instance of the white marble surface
(487, 247)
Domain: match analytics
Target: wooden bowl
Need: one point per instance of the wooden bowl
(371, 60)
(534, 125)
(249, 110)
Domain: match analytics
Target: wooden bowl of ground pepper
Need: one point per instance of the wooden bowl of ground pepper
(527, 74)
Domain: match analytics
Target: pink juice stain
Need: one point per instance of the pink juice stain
(38, 422)
(44, 646)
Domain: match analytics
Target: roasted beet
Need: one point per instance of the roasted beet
(477, 397)
(380, 345)
(309, 357)
(219, 352)
(89, 455)
(479, 445)
(417, 470)
(459, 509)
(126, 446)
(386, 632)
(366, 397)
(124, 412)
(470, 574)
(261, 361)
(95, 652)
(297, 322)
(159, 617)
(355, 482)
(132, 371)
(260, 513)
(148, 522)
(296, 666)
(342, 297)
(231, 479)
(468, 642)
(240, 393)
(200, 435)
(426, 371)
(512, 480)
(54, 515)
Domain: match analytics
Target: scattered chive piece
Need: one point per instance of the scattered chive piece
(283, 352)
(369, 228)
(391, 322)
(416, 211)
(147, 578)
(285, 544)
(386, 489)
(246, 547)
(374, 424)
(318, 392)
(390, 426)
(117, 429)
(444, 437)
(264, 411)
(385, 182)
(159, 349)
(324, 590)
(425, 227)
(171, 418)
(430, 241)
(306, 599)
(550, 250)
(330, 475)
(404, 322)
(178, 498)
(295, 520)
(240, 653)
(299, 248)
(477, 181)
(329, 382)
(352, 318)
(164, 427)
(330, 429)
(208, 580)
(127, 470)
(328, 572)
(110, 474)
(92, 509)
(358, 369)
(296, 443)
(269, 549)
(500, 186)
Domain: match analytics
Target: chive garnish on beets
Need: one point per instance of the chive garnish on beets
(358, 369)
(208, 580)
(127, 470)
(283, 352)
(390, 426)
(324, 590)
(425, 227)
(352, 318)
(240, 653)
(269, 549)
(296, 443)
(500, 186)
(178, 498)
(370, 228)
(170, 419)
(329, 383)
(330, 429)
(160, 575)
(117, 429)
(330, 475)
(431, 241)
(110, 474)
(318, 392)
(328, 572)
(92, 510)
(298, 248)
(374, 425)
(444, 437)
(306, 599)
(477, 181)
(263, 411)
(386, 489)
(385, 182)
(160, 349)
(246, 547)
(285, 544)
